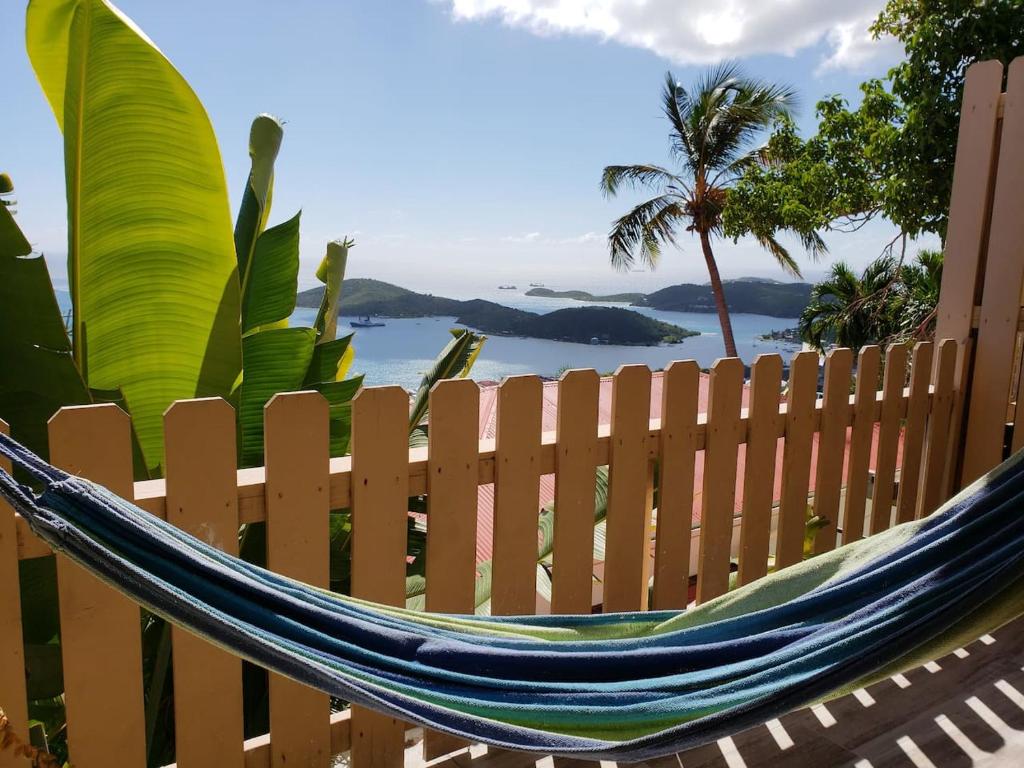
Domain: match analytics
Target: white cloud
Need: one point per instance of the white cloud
(687, 32)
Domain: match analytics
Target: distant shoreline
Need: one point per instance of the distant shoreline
(586, 325)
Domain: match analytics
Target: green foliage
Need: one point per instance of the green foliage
(894, 153)
(714, 125)
(151, 264)
(888, 302)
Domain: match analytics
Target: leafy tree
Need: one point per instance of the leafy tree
(713, 128)
(888, 302)
(893, 155)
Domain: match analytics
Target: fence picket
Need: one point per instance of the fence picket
(202, 500)
(861, 434)
(913, 435)
(888, 437)
(627, 556)
(451, 519)
(939, 420)
(835, 411)
(100, 629)
(1000, 305)
(380, 503)
(296, 450)
(719, 492)
(12, 652)
(759, 467)
(572, 565)
(796, 459)
(516, 496)
(677, 452)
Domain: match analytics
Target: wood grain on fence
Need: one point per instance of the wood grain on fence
(202, 500)
(828, 477)
(296, 451)
(680, 390)
(380, 503)
(796, 461)
(763, 424)
(886, 454)
(862, 432)
(627, 554)
(914, 433)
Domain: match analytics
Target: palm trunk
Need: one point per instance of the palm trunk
(719, 293)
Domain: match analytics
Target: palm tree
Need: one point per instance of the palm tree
(713, 128)
(852, 311)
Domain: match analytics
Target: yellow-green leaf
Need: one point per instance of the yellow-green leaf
(152, 267)
(269, 294)
(331, 273)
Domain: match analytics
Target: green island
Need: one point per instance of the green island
(751, 295)
(608, 325)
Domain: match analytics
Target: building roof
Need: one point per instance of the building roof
(488, 424)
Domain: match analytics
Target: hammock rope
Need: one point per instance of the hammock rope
(625, 687)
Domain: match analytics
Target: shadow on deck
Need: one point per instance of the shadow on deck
(966, 709)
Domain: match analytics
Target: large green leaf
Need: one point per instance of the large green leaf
(331, 360)
(151, 261)
(454, 361)
(268, 294)
(331, 273)
(339, 396)
(265, 137)
(38, 374)
(276, 360)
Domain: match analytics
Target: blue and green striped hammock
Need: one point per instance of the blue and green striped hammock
(625, 687)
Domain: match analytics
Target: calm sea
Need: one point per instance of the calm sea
(400, 351)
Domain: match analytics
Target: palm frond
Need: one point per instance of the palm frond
(781, 254)
(643, 230)
(649, 176)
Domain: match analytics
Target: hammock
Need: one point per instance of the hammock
(624, 687)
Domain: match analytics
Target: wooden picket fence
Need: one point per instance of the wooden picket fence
(927, 431)
(205, 494)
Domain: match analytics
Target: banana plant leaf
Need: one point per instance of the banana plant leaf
(454, 361)
(331, 273)
(151, 260)
(39, 374)
(268, 291)
(265, 138)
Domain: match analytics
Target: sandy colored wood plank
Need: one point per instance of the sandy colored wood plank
(676, 451)
(796, 458)
(936, 450)
(759, 471)
(718, 498)
(913, 435)
(1000, 306)
(12, 652)
(380, 502)
(516, 496)
(835, 413)
(628, 529)
(861, 434)
(297, 453)
(572, 564)
(451, 517)
(199, 438)
(888, 437)
(101, 641)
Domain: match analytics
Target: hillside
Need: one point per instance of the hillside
(748, 296)
(610, 325)
(752, 295)
(619, 298)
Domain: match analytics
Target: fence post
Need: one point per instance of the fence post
(628, 528)
(967, 235)
(202, 499)
(296, 452)
(380, 512)
(12, 652)
(101, 640)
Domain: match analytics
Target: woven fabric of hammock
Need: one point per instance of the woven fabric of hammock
(624, 687)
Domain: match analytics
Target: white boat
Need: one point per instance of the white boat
(366, 322)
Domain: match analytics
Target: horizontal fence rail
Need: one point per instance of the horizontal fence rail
(788, 467)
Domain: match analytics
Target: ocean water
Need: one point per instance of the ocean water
(401, 350)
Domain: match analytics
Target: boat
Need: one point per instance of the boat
(506, 287)
(366, 322)
(536, 285)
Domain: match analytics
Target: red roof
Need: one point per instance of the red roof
(488, 424)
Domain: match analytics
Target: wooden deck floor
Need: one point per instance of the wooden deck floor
(966, 709)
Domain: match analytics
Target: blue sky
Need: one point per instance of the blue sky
(459, 141)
